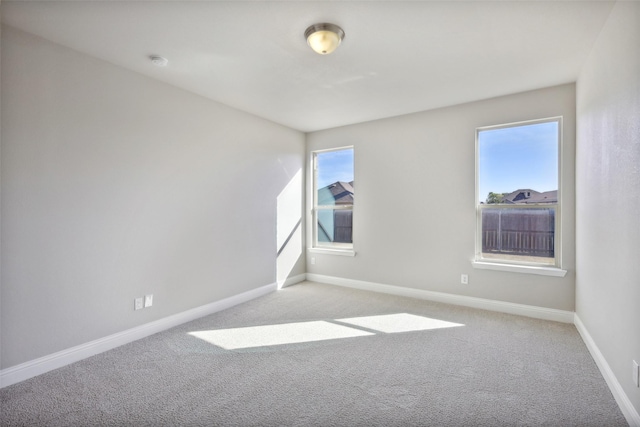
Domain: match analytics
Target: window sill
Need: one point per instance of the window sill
(328, 251)
(526, 269)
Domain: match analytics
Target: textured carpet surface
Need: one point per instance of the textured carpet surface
(377, 360)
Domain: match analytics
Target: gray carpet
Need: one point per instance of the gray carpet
(465, 368)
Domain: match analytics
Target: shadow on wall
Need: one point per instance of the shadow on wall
(289, 228)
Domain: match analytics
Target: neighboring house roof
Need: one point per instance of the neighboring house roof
(338, 193)
(546, 197)
(529, 196)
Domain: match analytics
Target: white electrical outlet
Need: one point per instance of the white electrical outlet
(464, 279)
(138, 304)
(636, 373)
(313, 260)
(148, 300)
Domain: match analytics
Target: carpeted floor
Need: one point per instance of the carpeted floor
(318, 355)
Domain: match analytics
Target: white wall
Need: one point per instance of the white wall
(115, 186)
(414, 214)
(607, 185)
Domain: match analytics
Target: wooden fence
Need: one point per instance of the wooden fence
(519, 231)
(343, 230)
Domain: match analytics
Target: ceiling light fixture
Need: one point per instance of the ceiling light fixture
(324, 38)
(159, 60)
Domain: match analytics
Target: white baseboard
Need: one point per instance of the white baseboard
(481, 303)
(629, 412)
(293, 280)
(24, 371)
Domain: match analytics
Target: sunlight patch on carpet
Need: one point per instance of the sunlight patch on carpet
(401, 322)
(268, 335)
(302, 332)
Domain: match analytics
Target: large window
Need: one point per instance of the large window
(333, 190)
(518, 205)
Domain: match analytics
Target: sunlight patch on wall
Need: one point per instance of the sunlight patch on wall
(401, 322)
(288, 228)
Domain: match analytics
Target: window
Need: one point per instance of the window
(518, 204)
(333, 199)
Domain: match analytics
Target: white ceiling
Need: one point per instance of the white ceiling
(397, 57)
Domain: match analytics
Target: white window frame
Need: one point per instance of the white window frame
(518, 266)
(346, 249)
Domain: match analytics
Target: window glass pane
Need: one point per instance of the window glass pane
(518, 159)
(525, 235)
(335, 226)
(335, 177)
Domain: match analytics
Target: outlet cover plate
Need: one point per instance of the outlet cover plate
(636, 374)
(137, 304)
(148, 300)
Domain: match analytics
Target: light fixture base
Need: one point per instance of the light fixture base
(159, 60)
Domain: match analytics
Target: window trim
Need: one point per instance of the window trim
(516, 268)
(554, 269)
(315, 208)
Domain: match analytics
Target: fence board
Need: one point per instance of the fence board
(519, 231)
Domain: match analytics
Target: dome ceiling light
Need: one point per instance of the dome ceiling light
(324, 38)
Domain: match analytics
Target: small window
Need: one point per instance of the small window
(333, 190)
(518, 204)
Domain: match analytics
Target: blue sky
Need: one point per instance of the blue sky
(335, 166)
(518, 157)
